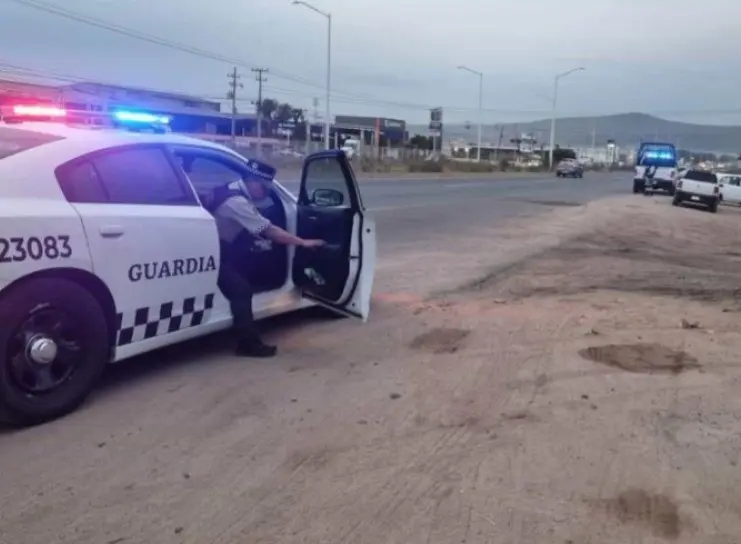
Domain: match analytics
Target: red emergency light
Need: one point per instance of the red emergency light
(38, 111)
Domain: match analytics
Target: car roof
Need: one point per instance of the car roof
(106, 137)
(31, 172)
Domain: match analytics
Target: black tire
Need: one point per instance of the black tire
(713, 208)
(18, 406)
(638, 188)
(676, 201)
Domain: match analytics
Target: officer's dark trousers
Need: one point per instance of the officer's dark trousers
(237, 289)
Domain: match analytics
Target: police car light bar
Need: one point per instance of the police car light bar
(132, 120)
(666, 155)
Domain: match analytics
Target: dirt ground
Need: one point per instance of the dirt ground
(571, 380)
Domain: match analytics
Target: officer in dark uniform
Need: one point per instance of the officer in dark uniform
(240, 226)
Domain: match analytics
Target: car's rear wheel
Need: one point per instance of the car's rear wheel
(713, 208)
(53, 348)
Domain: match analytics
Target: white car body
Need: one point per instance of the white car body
(144, 258)
(351, 148)
(698, 187)
(730, 187)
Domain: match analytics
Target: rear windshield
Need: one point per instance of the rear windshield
(14, 140)
(699, 175)
(661, 155)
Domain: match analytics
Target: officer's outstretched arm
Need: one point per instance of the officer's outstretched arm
(280, 236)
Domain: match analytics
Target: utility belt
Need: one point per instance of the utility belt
(242, 249)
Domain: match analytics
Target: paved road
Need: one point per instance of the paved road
(408, 210)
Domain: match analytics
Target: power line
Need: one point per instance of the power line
(133, 33)
(16, 70)
(260, 80)
(234, 84)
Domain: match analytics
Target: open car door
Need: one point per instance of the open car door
(339, 275)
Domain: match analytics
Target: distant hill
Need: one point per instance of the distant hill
(626, 129)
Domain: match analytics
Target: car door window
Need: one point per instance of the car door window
(206, 174)
(141, 175)
(326, 173)
(80, 183)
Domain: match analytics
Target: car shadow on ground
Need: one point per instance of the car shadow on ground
(197, 350)
(184, 355)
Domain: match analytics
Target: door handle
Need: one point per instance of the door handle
(111, 231)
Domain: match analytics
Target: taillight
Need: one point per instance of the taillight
(679, 184)
(716, 190)
(672, 174)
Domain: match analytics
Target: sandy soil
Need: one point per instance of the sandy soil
(573, 380)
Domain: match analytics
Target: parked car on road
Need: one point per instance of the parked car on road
(698, 187)
(569, 168)
(108, 249)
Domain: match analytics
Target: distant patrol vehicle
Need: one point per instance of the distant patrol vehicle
(656, 168)
(107, 250)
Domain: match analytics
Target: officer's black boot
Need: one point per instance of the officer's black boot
(250, 345)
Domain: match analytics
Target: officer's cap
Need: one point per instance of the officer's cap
(260, 171)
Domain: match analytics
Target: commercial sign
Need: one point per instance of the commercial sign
(369, 123)
(436, 121)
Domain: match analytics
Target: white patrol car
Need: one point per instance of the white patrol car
(107, 252)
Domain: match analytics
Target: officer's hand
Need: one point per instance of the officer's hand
(311, 244)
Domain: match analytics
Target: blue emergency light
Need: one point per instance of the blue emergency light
(125, 116)
(657, 154)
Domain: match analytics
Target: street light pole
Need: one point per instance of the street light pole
(553, 112)
(481, 107)
(328, 16)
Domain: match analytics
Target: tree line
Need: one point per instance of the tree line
(277, 113)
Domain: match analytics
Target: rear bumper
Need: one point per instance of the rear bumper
(655, 184)
(705, 200)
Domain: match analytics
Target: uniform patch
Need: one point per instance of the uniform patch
(151, 321)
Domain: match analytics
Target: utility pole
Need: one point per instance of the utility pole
(328, 16)
(258, 106)
(307, 126)
(234, 84)
(556, 80)
(499, 142)
(481, 106)
(594, 138)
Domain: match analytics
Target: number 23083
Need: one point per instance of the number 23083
(34, 248)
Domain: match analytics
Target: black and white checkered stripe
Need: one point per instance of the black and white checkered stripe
(151, 321)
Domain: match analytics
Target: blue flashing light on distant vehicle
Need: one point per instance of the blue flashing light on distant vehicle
(657, 155)
(656, 164)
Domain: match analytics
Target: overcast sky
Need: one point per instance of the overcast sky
(397, 58)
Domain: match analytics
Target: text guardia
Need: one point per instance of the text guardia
(170, 269)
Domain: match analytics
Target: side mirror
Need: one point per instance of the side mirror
(327, 198)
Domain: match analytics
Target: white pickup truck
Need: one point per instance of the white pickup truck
(698, 187)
